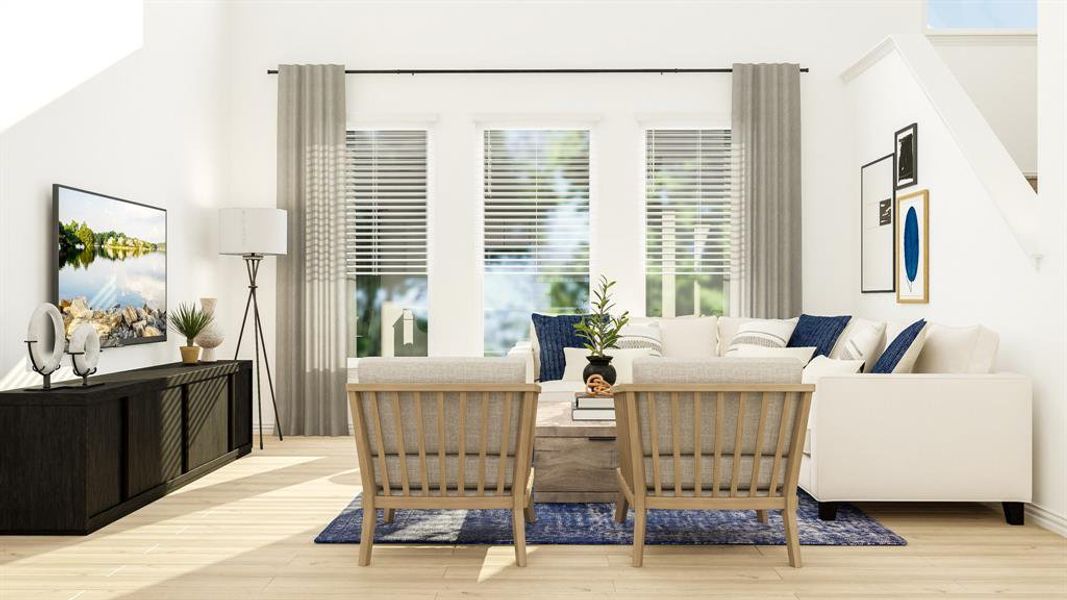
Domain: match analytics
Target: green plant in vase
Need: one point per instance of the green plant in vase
(600, 330)
(189, 321)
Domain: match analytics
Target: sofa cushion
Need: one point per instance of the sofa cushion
(554, 333)
(689, 337)
(803, 354)
(727, 329)
(957, 350)
(621, 359)
(646, 334)
(822, 366)
(901, 353)
(717, 370)
(821, 332)
(767, 333)
(441, 370)
(861, 340)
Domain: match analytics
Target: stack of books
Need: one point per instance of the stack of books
(593, 408)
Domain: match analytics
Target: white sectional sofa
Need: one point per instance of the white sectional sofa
(950, 430)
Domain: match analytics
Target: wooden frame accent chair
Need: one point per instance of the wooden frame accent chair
(436, 433)
(734, 444)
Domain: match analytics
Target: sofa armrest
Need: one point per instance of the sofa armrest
(524, 350)
(922, 437)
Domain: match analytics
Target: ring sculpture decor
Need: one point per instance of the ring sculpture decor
(45, 361)
(84, 350)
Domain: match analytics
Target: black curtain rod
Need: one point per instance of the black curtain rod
(520, 71)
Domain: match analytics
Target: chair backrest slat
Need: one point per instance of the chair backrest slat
(716, 473)
(424, 474)
(654, 437)
(377, 417)
(756, 457)
(461, 469)
(442, 447)
(504, 437)
(698, 427)
(788, 401)
(676, 443)
(404, 486)
(739, 435)
(483, 443)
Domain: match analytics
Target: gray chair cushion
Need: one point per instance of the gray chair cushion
(441, 370)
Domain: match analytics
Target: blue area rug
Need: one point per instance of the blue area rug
(593, 523)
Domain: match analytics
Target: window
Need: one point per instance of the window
(536, 228)
(689, 220)
(385, 242)
(981, 15)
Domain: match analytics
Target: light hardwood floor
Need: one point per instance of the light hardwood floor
(246, 532)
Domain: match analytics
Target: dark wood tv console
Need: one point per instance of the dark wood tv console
(74, 459)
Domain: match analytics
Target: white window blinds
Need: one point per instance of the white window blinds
(385, 205)
(536, 194)
(688, 213)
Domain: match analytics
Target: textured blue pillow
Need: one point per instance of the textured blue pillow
(553, 335)
(820, 332)
(898, 347)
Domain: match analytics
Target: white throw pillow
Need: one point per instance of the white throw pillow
(801, 353)
(641, 335)
(766, 333)
(859, 341)
(822, 366)
(689, 337)
(957, 350)
(622, 360)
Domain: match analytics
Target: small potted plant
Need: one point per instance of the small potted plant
(600, 331)
(189, 321)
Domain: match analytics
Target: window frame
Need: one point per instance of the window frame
(645, 124)
(427, 123)
(532, 122)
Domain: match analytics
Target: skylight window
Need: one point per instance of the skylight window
(993, 16)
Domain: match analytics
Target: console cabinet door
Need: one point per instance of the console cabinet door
(207, 420)
(155, 442)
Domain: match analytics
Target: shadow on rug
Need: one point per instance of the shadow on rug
(593, 524)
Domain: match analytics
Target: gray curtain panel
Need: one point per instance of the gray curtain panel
(311, 319)
(766, 164)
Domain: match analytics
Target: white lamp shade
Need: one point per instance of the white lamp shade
(252, 231)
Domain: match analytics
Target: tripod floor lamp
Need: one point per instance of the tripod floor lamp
(252, 234)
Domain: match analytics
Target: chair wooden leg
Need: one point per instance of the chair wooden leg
(389, 514)
(792, 538)
(761, 516)
(519, 529)
(366, 537)
(528, 511)
(639, 535)
(621, 507)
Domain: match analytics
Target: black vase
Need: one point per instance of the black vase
(599, 365)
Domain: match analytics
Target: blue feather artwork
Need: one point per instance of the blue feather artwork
(911, 245)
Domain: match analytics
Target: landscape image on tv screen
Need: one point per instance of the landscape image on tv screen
(112, 266)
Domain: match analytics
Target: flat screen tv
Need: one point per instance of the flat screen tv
(111, 266)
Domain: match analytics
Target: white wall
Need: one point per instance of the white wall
(978, 271)
(1000, 75)
(822, 36)
(149, 129)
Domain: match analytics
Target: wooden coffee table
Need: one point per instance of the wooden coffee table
(575, 461)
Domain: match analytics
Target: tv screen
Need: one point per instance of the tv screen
(111, 266)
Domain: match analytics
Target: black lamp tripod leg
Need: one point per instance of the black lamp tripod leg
(266, 363)
(244, 320)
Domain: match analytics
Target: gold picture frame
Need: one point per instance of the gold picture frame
(912, 270)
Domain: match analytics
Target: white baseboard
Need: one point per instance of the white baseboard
(1046, 519)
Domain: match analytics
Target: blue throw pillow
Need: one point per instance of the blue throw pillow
(898, 347)
(553, 335)
(820, 332)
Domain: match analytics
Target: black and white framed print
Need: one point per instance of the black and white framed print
(877, 208)
(906, 156)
